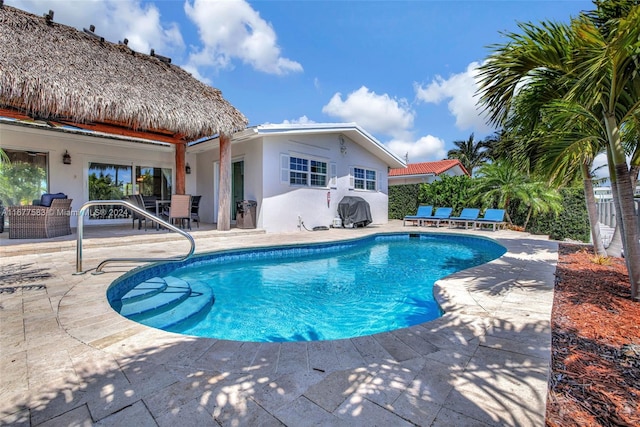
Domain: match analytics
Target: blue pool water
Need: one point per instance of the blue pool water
(301, 293)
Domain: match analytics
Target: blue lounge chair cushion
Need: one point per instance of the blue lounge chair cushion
(492, 215)
(468, 214)
(423, 212)
(441, 213)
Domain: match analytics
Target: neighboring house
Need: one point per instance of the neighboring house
(426, 172)
(291, 171)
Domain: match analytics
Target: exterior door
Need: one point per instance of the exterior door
(237, 185)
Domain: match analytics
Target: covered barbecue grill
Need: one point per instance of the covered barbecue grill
(354, 212)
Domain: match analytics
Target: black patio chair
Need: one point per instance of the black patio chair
(195, 209)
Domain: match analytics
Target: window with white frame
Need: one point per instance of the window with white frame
(298, 171)
(364, 179)
(304, 171)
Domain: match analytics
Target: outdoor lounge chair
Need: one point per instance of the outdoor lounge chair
(423, 212)
(40, 222)
(441, 214)
(467, 216)
(492, 217)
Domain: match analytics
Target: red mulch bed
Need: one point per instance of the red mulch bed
(595, 361)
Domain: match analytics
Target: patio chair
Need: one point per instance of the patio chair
(40, 222)
(195, 209)
(180, 209)
(423, 211)
(149, 203)
(467, 216)
(136, 200)
(492, 217)
(441, 215)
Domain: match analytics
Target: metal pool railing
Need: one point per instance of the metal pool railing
(142, 212)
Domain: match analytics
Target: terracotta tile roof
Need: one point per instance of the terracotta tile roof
(427, 168)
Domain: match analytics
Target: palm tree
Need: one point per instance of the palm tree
(577, 137)
(471, 154)
(539, 139)
(617, 92)
(501, 182)
(4, 157)
(594, 70)
(541, 199)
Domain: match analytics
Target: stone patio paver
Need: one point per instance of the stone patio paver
(66, 358)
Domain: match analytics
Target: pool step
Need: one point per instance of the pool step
(198, 303)
(165, 302)
(176, 290)
(145, 290)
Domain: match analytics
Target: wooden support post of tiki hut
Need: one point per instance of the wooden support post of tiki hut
(224, 196)
(181, 149)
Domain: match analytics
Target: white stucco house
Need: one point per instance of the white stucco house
(294, 172)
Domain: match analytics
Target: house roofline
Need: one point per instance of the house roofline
(418, 175)
(351, 130)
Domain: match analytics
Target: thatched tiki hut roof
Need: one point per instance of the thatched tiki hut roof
(55, 72)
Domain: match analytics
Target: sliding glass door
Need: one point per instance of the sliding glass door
(24, 178)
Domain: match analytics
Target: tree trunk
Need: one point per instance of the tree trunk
(506, 211)
(631, 239)
(526, 221)
(224, 189)
(592, 212)
(616, 245)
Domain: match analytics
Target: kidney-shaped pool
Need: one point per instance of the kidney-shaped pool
(310, 292)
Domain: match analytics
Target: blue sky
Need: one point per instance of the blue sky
(403, 70)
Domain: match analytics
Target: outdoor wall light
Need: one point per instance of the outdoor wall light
(66, 158)
(343, 147)
(187, 169)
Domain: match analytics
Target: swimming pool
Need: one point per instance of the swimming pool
(301, 293)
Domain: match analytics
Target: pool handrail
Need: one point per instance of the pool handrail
(142, 212)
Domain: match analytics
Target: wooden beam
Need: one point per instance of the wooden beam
(14, 114)
(111, 128)
(181, 150)
(114, 129)
(224, 189)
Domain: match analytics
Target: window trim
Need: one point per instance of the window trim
(365, 180)
(285, 170)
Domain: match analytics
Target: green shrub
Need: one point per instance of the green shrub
(572, 223)
(403, 200)
(447, 191)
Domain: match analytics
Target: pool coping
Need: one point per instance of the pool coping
(484, 362)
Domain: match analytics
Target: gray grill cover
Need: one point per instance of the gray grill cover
(354, 210)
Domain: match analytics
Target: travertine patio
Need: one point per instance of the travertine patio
(68, 359)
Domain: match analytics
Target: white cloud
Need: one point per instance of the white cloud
(382, 114)
(459, 89)
(114, 20)
(232, 29)
(304, 120)
(375, 113)
(427, 148)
